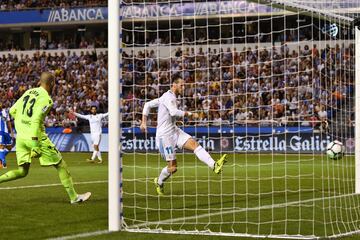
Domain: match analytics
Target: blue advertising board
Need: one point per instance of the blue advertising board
(194, 9)
(133, 11)
(140, 10)
(54, 15)
(313, 143)
(216, 139)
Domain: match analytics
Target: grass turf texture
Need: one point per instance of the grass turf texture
(147, 236)
(39, 213)
(256, 194)
(45, 212)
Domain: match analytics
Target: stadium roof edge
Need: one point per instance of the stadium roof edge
(323, 14)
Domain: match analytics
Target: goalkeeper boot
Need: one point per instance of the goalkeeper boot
(159, 188)
(81, 198)
(219, 164)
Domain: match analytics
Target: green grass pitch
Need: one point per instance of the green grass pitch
(256, 194)
(40, 211)
(196, 198)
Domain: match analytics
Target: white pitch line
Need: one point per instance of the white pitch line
(236, 211)
(81, 235)
(50, 185)
(222, 234)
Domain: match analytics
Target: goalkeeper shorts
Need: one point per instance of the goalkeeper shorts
(49, 153)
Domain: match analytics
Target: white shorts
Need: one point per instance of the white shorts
(96, 138)
(167, 144)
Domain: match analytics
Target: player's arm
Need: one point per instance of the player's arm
(12, 135)
(81, 116)
(147, 107)
(39, 111)
(8, 122)
(14, 107)
(104, 115)
(174, 111)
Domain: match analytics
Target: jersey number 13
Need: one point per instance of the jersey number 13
(28, 105)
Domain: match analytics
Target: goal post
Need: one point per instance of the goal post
(273, 83)
(115, 99)
(357, 109)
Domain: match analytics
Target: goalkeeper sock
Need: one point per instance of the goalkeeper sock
(99, 155)
(66, 179)
(14, 174)
(94, 155)
(204, 156)
(164, 175)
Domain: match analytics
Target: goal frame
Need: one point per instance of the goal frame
(115, 209)
(115, 186)
(357, 110)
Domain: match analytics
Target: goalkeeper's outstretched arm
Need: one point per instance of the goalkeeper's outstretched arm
(147, 107)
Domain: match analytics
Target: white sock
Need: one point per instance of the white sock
(204, 156)
(163, 176)
(99, 155)
(94, 155)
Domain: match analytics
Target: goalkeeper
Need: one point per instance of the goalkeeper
(32, 142)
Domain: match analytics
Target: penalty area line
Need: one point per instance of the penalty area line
(50, 185)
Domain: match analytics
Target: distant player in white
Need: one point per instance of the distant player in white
(169, 136)
(95, 121)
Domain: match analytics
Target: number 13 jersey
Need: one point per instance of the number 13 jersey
(29, 113)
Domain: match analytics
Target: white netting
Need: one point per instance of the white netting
(273, 82)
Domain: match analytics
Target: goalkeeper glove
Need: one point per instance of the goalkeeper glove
(35, 148)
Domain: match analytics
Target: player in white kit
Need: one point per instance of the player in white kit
(169, 136)
(95, 121)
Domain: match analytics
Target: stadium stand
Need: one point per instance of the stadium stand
(246, 72)
(81, 77)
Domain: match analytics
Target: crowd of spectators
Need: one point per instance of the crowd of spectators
(85, 43)
(45, 44)
(25, 4)
(81, 82)
(303, 86)
(278, 85)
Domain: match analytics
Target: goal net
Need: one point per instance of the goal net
(273, 83)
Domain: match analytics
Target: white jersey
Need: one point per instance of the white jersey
(167, 113)
(94, 120)
(4, 118)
